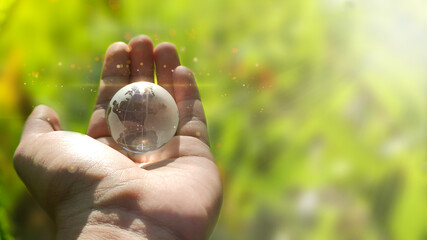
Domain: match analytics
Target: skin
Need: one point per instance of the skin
(92, 189)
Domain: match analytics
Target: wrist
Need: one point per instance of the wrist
(111, 225)
(100, 232)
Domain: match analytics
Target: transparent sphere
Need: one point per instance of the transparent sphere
(142, 117)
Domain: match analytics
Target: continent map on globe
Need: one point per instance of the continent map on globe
(130, 112)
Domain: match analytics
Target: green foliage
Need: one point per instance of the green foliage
(316, 109)
(5, 230)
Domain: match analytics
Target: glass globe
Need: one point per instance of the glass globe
(142, 117)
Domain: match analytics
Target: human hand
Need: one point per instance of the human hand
(92, 189)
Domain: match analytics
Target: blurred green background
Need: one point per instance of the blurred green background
(316, 108)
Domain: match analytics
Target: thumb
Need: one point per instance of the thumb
(52, 162)
(42, 120)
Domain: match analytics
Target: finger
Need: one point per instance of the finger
(42, 120)
(192, 121)
(166, 58)
(142, 59)
(115, 75)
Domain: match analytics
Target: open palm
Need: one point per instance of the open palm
(93, 188)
